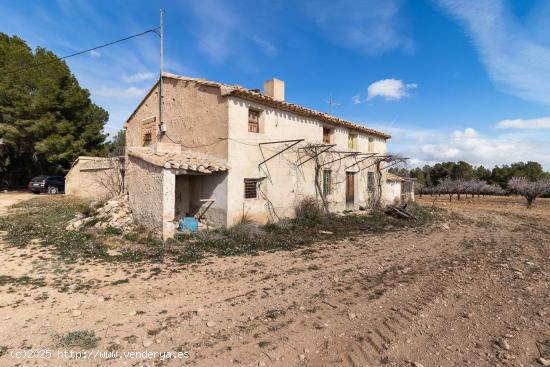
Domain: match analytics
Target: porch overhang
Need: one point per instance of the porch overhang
(184, 162)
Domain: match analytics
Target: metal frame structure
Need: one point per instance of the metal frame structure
(361, 160)
(346, 155)
(327, 146)
(293, 141)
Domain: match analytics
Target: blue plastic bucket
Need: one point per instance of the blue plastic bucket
(189, 224)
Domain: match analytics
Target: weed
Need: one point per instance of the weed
(263, 344)
(113, 231)
(120, 281)
(80, 338)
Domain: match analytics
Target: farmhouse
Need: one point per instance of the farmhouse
(227, 152)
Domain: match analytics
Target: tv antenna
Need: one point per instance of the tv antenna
(331, 103)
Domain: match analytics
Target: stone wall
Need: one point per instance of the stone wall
(144, 183)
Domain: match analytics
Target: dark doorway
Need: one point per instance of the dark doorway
(350, 189)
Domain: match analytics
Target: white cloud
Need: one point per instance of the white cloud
(130, 92)
(516, 61)
(267, 46)
(95, 54)
(540, 123)
(139, 77)
(370, 26)
(389, 89)
(464, 134)
(429, 146)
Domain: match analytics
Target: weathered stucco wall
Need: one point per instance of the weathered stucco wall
(144, 183)
(195, 116)
(90, 177)
(391, 193)
(284, 184)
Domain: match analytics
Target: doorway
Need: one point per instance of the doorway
(350, 189)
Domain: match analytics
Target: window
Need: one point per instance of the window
(327, 182)
(352, 141)
(370, 181)
(253, 121)
(147, 138)
(371, 144)
(326, 135)
(251, 188)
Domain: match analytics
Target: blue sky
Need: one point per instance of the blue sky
(449, 79)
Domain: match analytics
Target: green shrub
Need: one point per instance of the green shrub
(309, 208)
(81, 338)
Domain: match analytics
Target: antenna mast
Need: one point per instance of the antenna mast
(162, 128)
(331, 103)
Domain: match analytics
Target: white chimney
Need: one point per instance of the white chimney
(275, 88)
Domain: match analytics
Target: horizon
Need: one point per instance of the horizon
(388, 66)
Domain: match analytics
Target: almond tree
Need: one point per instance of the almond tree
(530, 190)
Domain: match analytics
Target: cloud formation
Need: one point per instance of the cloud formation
(224, 32)
(138, 77)
(130, 92)
(429, 146)
(540, 123)
(516, 61)
(370, 26)
(389, 89)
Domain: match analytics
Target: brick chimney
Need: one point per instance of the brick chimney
(275, 88)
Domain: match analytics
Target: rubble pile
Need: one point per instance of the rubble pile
(114, 213)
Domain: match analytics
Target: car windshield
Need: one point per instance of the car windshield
(39, 178)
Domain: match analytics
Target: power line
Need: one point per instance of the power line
(82, 52)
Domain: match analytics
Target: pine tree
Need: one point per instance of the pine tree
(46, 118)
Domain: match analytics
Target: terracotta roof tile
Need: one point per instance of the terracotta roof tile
(186, 160)
(239, 91)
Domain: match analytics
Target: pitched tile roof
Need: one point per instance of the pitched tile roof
(186, 160)
(256, 96)
(395, 178)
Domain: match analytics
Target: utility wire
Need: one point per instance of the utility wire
(81, 52)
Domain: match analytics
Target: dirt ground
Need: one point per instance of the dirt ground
(472, 290)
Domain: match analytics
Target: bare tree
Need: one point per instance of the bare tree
(110, 176)
(530, 190)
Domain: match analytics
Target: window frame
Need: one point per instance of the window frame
(352, 141)
(371, 178)
(254, 123)
(247, 187)
(327, 182)
(327, 133)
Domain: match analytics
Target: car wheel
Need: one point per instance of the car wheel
(52, 190)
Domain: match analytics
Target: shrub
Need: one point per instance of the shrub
(308, 208)
(81, 338)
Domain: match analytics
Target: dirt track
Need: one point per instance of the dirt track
(473, 290)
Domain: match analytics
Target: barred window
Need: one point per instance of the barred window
(251, 188)
(253, 121)
(147, 138)
(327, 182)
(370, 181)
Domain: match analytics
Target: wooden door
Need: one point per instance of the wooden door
(350, 188)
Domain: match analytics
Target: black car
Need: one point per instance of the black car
(50, 184)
